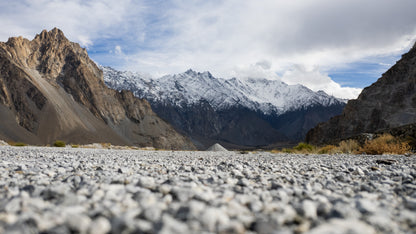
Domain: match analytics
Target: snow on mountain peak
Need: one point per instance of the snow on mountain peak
(191, 87)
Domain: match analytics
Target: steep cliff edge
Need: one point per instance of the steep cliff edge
(388, 103)
(50, 89)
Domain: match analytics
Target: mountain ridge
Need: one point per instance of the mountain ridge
(255, 94)
(231, 111)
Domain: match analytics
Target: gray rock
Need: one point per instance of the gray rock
(366, 206)
(147, 182)
(410, 203)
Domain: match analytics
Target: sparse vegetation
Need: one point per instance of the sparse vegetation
(328, 149)
(17, 144)
(385, 144)
(75, 146)
(59, 144)
(348, 147)
(304, 148)
(106, 145)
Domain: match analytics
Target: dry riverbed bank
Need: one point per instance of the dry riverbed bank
(64, 190)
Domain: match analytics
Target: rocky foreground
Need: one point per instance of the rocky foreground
(52, 190)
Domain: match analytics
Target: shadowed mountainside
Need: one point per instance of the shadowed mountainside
(387, 104)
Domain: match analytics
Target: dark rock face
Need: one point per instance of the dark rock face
(238, 126)
(387, 104)
(50, 89)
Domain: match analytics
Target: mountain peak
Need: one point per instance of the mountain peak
(55, 34)
(191, 72)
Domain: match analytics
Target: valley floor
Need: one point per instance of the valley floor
(64, 190)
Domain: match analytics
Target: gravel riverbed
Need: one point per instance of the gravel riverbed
(64, 190)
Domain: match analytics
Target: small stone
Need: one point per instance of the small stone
(212, 217)
(410, 203)
(147, 182)
(243, 182)
(152, 213)
(29, 188)
(309, 209)
(8, 218)
(78, 223)
(99, 225)
(366, 206)
(386, 161)
(61, 170)
(255, 206)
(143, 226)
(13, 206)
(171, 225)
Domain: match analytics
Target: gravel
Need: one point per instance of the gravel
(64, 190)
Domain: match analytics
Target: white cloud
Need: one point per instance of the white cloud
(261, 69)
(117, 49)
(228, 38)
(81, 21)
(315, 80)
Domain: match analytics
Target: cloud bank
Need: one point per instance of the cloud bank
(302, 41)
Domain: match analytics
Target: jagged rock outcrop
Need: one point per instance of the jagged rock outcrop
(50, 89)
(387, 104)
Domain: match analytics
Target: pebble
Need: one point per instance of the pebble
(55, 190)
(99, 226)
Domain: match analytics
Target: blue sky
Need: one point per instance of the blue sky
(336, 46)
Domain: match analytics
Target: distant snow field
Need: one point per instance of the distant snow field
(64, 190)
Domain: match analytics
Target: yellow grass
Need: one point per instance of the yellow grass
(385, 144)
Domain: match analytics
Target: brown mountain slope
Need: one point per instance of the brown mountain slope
(50, 89)
(387, 104)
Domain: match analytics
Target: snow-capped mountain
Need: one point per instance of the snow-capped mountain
(241, 112)
(190, 87)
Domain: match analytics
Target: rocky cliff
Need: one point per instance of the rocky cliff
(50, 89)
(387, 104)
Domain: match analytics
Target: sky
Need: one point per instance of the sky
(337, 46)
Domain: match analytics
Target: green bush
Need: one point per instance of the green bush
(18, 144)
(304, 147)
(59, 144)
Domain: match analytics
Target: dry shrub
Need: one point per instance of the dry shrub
(385, 144)
(274, 151)
(106, 145)
(328, 149)
(348, 146)
(287, 150)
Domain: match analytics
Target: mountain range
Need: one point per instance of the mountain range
(51, 90)
(236, 112)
